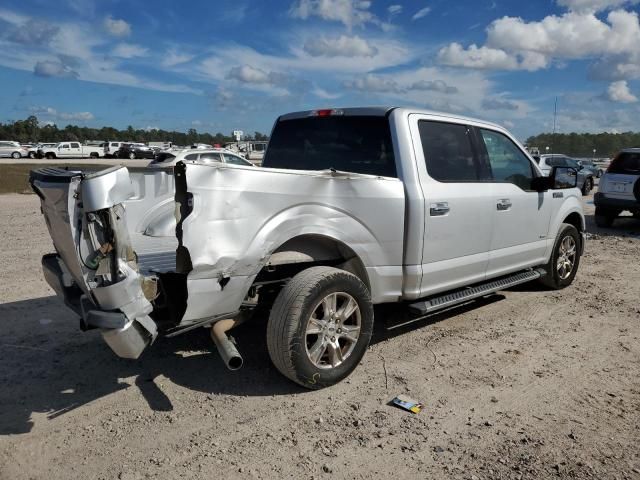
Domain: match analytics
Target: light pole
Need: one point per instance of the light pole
(547, 149)
(594, 153)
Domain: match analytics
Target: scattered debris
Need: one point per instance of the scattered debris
(407, 403)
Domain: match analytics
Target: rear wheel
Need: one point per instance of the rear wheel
(94, 155)
(32, 154)
(16, 155)
(50, 156)
(132, 155)
(587, 186)
(565, 258)
(604, 217)
(320, 326)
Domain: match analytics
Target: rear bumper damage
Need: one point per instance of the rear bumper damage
(104, 287)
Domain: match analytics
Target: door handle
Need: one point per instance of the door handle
(438, 209)
(504, 204)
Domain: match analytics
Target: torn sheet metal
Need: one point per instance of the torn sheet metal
(241, 215)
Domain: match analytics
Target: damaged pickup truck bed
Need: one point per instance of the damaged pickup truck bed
(354, 207)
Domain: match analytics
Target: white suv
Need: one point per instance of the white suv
(619, 188)
(210, 155)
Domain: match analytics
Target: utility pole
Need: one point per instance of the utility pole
(555, 115)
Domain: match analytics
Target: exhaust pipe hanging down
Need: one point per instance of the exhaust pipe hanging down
(228, 351)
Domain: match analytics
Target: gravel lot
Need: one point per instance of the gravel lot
(529, 384)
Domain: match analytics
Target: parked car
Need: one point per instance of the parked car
(220, 155)
(110, 148)
(619, 188)
(585, 176)
(354, 207)
(590, 165)
(12, 149)
(71, 150)
(36, 150)
(135, 150)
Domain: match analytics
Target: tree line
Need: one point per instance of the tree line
(31, 131)
(584, 144)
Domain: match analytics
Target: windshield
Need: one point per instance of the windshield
(626, 163)
(360, 144)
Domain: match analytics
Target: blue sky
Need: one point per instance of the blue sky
(225, 65)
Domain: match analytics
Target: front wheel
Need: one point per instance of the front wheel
(565, 258)
(32, 154)
(320, 326)
(16, 155)
(50, 156)
(132, 156)
(587, 186)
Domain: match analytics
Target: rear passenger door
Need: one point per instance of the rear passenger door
(458, 199)
(521, 215)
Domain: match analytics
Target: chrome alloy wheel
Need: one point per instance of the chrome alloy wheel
(333, 330)
(566, 257)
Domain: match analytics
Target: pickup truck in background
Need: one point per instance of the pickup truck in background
(354, 207)
(71, 150)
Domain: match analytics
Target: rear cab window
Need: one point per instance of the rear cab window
(449, 152)
(351, 143)
(627, 163)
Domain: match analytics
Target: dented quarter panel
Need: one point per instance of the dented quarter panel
(241, 215)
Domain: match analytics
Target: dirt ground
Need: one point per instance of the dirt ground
(528, 384)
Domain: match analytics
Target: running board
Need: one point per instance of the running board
(457, 297)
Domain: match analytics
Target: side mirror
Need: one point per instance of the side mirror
(541, 184)
(563, 177)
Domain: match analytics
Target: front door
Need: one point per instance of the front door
(458, 198)
(521, 215)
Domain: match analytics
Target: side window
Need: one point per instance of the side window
(191, 156)
(448, 152)
(556, 162)
(508, 163)
(75, 145)
(64, 145)
(234, 160)
(210, 157)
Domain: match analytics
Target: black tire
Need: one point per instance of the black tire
(50, 156)
(16, 155)
(132, 156)
(94, 155)
(587, 186)
(32, 154)
(287, 334)
(604, 217)
(599, 174)
(553, 279)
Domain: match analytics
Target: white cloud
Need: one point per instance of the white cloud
(50, 112)
(619, 92)
(434, 86)
(394, 9)
(351, 13)
(374, 83)
(48, 68)
(248, 74)
(117, 27)
(33, 32)
(455, 55)
(173, 57)
(593, 5)
(129, 50)
(513, 43)
(423, 12)
(499, 104)
(342, 46)
(322, 93)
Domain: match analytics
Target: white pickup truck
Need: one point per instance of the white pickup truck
(71, 150)
(355, 207)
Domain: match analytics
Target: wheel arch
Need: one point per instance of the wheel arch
(318, 249)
